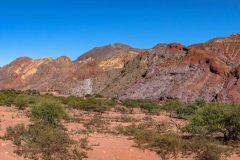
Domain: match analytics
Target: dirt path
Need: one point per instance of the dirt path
(111, 147)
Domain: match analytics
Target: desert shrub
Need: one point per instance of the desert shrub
(172, 105)
(210, 152)
(185, 111)
(131, 103)
(143, 133)
(11, 92)
(143, 104)
(8, 101)
(215, 118)
(2, 98)
(96, 124)
(170, 145)
(71, 101)
(21, 101)
(32, 92)
(43, 141)
(49, 112)
(16, 134)
(112, 102)
(45, 138)
(7, 97)
(47, 141)
(97, 104)
(129, 130)
(90, 103)
(188, 110)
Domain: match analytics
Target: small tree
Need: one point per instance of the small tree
(21, 102)
(216, 118)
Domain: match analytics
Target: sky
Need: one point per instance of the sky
(53, 28)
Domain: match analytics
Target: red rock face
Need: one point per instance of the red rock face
(207, 71)
(228, 49)
(215, 64)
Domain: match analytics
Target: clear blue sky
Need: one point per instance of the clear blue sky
(51, 28)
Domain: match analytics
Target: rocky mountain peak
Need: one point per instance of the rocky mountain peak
(105, 51)
(64, 60)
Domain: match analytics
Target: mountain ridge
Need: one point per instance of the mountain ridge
(206, 71)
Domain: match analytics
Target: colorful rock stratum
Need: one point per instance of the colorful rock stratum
(207, 71)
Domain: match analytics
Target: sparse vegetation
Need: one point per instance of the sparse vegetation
(43, 141)
(187, 111)
(29, 98)
(96, 124)
(168, 144)
(210, 127)
(147, 105)
(90, 103)
(45, 138)
(172, 106)
(16, 133)
(21, 102)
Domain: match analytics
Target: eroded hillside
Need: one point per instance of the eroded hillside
(208, 71)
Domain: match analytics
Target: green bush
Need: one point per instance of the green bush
(47, 141)
(11, 92)
(187, 111)
(32, 92)
(21, 102)
(8, 101)
(20, 99)
(90, 103)
(49, 112)
(216, 118)
(43, 141)
(29, 98)
(2, 98)
(172, 105)
(150, 106)
(173, 145)
(168, 144)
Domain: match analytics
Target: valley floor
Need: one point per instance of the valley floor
(96, 130)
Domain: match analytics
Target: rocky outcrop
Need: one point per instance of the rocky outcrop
(208, 71)
(227, 49)
(105, 52)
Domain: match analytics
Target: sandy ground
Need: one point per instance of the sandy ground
(110, 147)
(10, 116)
(104, 146)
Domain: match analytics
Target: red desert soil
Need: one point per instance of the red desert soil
(110, 147)
(10, 117)
(104, 146)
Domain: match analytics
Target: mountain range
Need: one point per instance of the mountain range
(207, 71)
